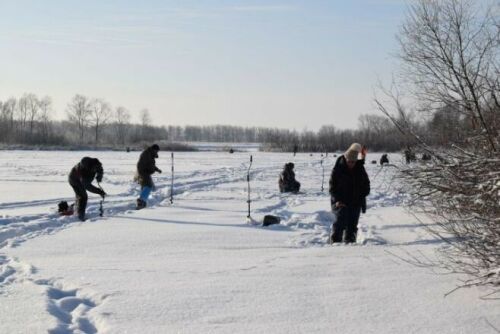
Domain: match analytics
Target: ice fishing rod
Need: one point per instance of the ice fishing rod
(101, 210)
(172, 181)
(383, 167)
(323, 175)
(248, 182)
(380, 169)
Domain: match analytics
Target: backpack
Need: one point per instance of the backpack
(64, 209)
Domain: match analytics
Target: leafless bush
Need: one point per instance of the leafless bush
(461, 192)
(450, 61)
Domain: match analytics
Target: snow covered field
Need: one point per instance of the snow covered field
(197, 266)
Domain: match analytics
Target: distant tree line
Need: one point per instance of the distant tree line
(94, 122)
(90, 121)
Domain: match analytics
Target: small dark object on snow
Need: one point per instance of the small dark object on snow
(62, 206)
(128, 149)
(374, 162)
(231, 151)
(64, 209)
(271, 220)
(334, 155)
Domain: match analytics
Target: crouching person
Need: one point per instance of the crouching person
(81, 177)
(384, 159)
(146, 166)
(287, 182)
(349, 186)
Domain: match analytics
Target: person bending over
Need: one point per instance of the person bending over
(81, 177)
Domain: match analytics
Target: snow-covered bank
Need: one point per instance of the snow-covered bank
(197, 267)
(224, 147)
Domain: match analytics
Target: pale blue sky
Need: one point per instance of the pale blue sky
(291, 64)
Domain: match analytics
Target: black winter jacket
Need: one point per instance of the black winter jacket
(349, 186)
(287, 177)
(146, 164)
(84, 173)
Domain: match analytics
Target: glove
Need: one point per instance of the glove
(364, 151)
(159, 170)
(339, 205)
(103, 194)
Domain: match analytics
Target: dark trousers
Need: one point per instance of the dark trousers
(290, 187)
(347, 221)
(81, 198)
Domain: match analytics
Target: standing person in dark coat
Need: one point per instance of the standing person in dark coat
(146, 166)
(287, 182)
(81, 177)
(409, 155)
(349, 186)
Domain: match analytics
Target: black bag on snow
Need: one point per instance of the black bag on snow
(271, 220)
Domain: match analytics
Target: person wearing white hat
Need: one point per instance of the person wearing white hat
(349, 186)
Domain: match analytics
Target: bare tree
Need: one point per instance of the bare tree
(79, 112)
(122, 122)
(100, 115)
(8, 114)
(145, 119)
(45, 104)
(32, 110)
(22, 111)
(377, 132)
(450, 56)
(449, 53)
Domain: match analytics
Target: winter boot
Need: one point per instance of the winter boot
(81, 216)
(140, 204)
(350, 238)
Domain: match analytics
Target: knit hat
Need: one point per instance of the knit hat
(352, 152)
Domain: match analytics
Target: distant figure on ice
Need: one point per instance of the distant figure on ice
(409, 155)
(287, 182)
(146, 166)
(384, 159)
(349, 186)
(295, 149)
(426, 157)
(81, 177)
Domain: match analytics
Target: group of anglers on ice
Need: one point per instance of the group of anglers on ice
(83, 174)
(349, 186)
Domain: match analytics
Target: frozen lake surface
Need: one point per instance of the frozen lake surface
(198, 266)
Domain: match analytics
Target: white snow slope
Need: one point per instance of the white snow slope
(197, 266)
